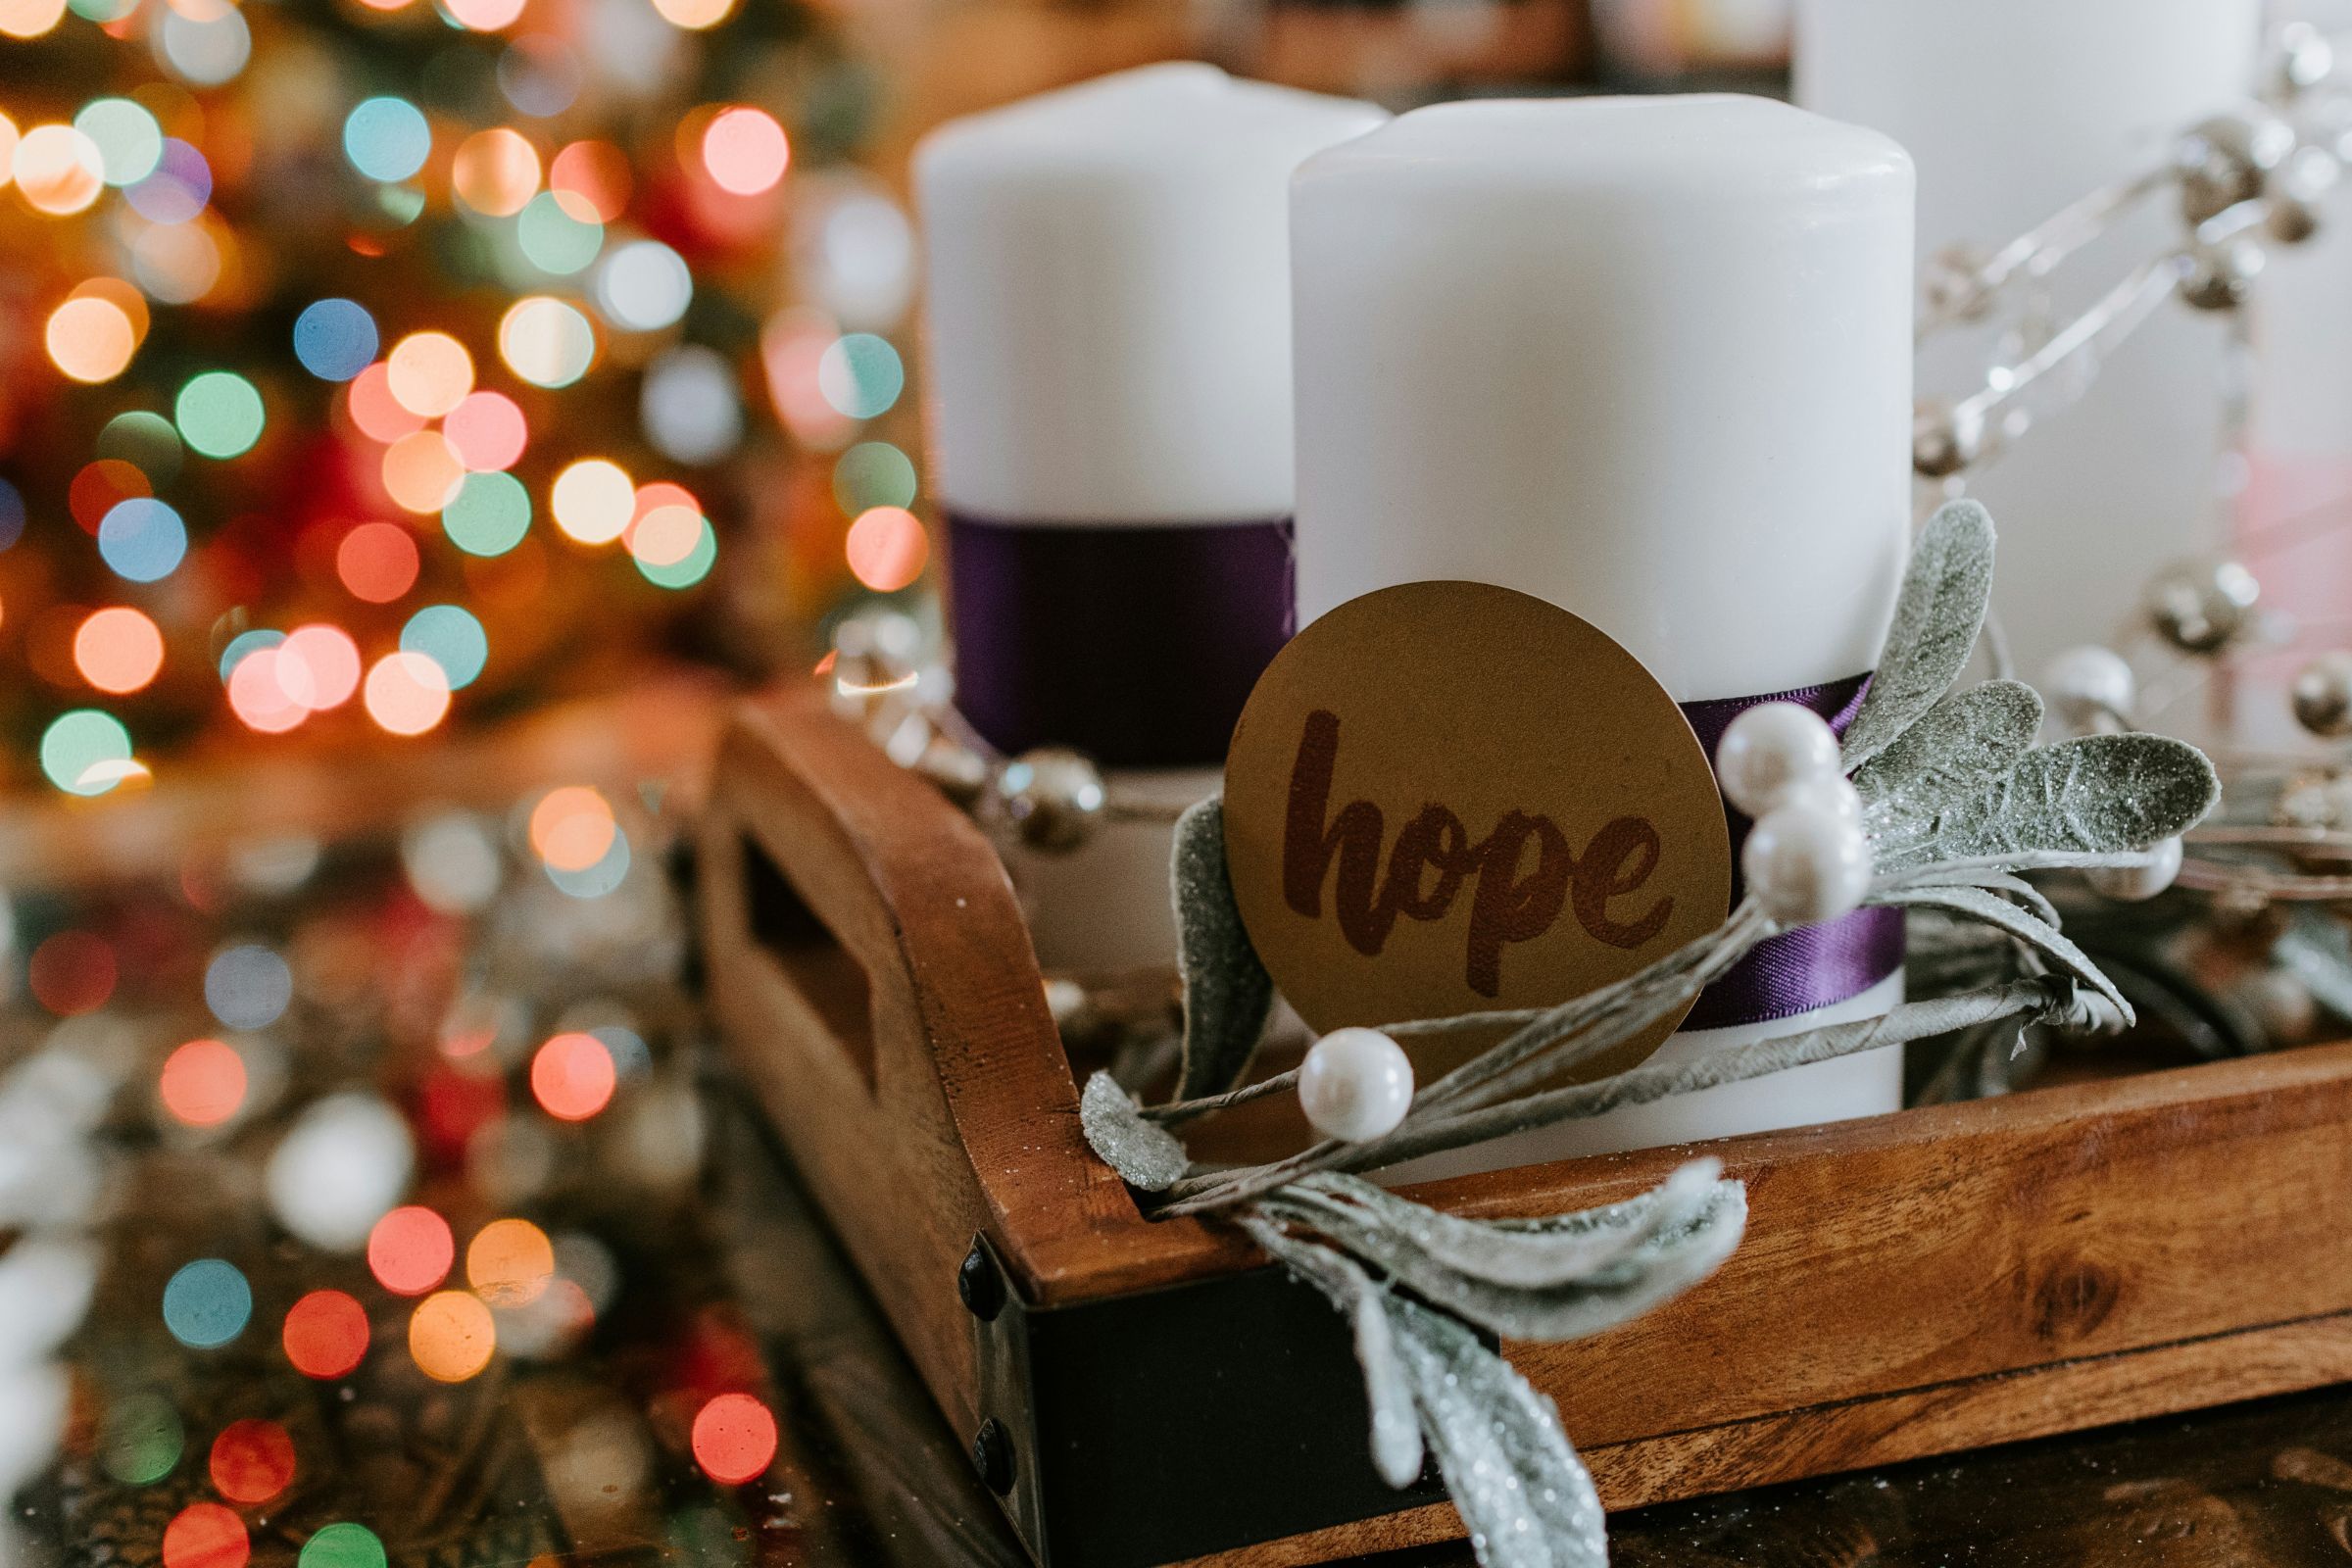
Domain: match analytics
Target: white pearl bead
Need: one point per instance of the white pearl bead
(1768, 748)
(2130, 884)
(2090, 681)
(1355, 1085)
(1805, 864)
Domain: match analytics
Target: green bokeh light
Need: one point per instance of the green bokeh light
(219, 414)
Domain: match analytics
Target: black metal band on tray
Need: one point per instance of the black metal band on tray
(1138, 643)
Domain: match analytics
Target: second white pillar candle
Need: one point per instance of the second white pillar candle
(1650, 360)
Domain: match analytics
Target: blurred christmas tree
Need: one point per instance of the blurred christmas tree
(366, 365)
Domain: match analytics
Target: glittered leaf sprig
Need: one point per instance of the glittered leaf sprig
(1955, 801)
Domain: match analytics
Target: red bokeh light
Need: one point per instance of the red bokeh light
(253, 1461)
(378, 562)
(206, 1535)
(734, 1438)
(327, 1334)
(572, 1076)
(411, 1250)
(72, 973)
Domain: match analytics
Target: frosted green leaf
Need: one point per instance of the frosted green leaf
(1227, 992)
(1936, 619)
(1146, 1154)
(1964, 743)
(2094, 794)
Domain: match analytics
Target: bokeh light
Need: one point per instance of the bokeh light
(387, 138)
(510, 1263)
(98, 485)
(887, 548)
(421, 471)
(745, 150)
(374, 410)
(176, 189)
(258, 685)
(203, 1083)
(734, 1438)
(72, 973)
(329, 664)
(593, 500)
(484, 16)
(118, 650)
(546, 341)
(572, 1076)
(592, 178)
(342, 1545)
(407, 693)
(378, 562)
(666, 535)
(129, 140)
(689, 405)
(90, 338)
(140, 1438)
(205, 52)
(142, 539)
(335, 339)
(873, 474)
(487, 431)
(430, 373)
(488, 516)
(206, 1535)
(642, 286)
(247, 986)
(694, 14)
(451, 637)
(252, 1461)
(58, 169)
(207, 1304)
(860, 375)
(29, 19)
(495, 170)
(86, 752)
(146, 441)
(555, 241)
(409, 1250)
(327, 1334)
(219, 414)
(450, 1336)
(571, 828)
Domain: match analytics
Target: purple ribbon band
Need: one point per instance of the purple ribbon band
(1813, 966)
(1136, 644)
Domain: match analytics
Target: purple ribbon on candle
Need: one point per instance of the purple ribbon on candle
(1138, 643)
(1816, 966)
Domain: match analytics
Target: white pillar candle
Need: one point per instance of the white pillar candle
(1107, 278)
(2011, 109)
(1650, 360)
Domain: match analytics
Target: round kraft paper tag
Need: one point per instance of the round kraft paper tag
(1447, 798)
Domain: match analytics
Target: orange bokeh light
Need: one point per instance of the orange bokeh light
(118, 650)
(373, 408)
(745, 150)
(510, 1263)
(734, 1438)
(887, 548)
(203, 1083)
(452, 1336)
(572, 1077)
(496, 171)
(90, 338)
(378, 562)
(572, 828)
(409, 1250)
(407, 693)
(421, 471)
(327, 1334)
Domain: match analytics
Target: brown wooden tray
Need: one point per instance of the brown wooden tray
(1146, 1391)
